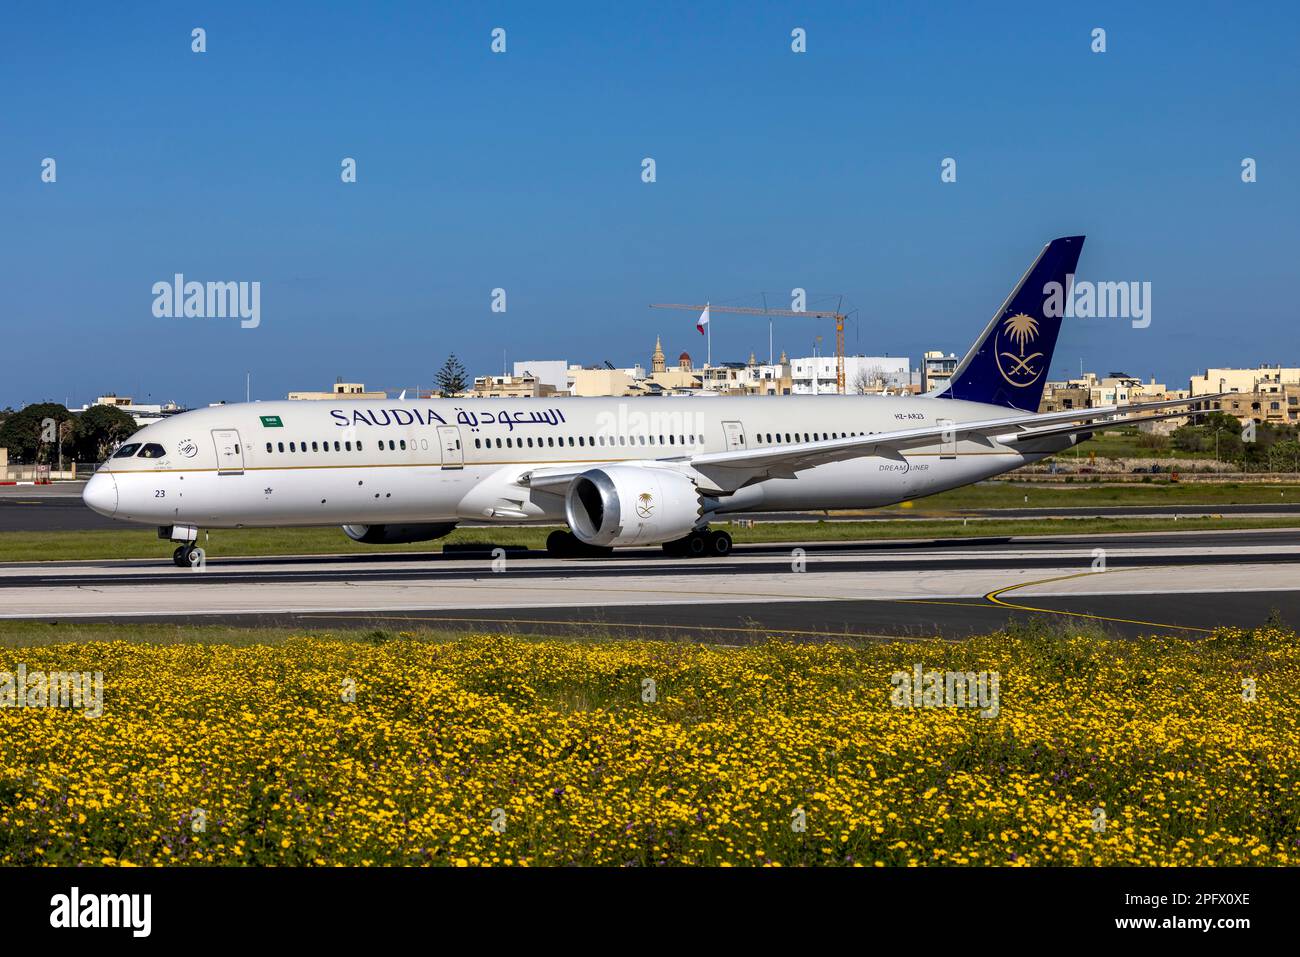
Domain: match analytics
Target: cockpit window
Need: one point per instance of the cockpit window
(126, 451)
(152, 451)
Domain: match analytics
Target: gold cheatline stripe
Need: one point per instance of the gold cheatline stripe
(540, 463)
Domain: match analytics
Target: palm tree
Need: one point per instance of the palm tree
(1021, 328)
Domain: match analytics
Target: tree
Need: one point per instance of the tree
(98, 430)
(1286, 456)
(869, 380)
(451, 377)
(35, 434)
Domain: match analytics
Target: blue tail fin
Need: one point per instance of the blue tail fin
(1008, 364)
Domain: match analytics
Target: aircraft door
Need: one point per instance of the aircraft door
(735, 434)
(230, 454)
(453, 456)
(948, 440)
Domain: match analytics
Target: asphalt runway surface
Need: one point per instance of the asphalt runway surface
(58, 508)
(1172, 583)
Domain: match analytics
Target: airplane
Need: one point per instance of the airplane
(616, 471)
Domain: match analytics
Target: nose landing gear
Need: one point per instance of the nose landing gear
(188, 556)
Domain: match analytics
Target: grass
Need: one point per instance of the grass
(1005, 494)
(432, 748)
(1124, 444)
(130, 543)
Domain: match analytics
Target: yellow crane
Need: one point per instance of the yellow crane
(839, 318)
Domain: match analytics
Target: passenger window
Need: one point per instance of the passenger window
(336, 446)
(392, 446)
(358, 445)
(126, 451)
(347, 446)
(498, 443)
(476, 443)
(325, 446)
(280, 446)
(293, 447)
(403, 444)
(268, 446)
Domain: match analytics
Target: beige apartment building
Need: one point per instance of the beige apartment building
(526, 386)
(1263, 379)
(341, 390)
(1280, 406)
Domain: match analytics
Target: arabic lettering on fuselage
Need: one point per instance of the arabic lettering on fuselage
(471, 420)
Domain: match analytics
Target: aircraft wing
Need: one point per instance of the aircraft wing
(734, 468)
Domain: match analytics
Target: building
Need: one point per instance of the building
(1117, 388)
(819, 375)
(1280, 406)
(349, 390)
(1065, 396)
(657, 357)
(143, 414)
(771, 378)
(603, 381)
(1264, 380)
(683, 378)
(937, 369)
(548, 372)
(526, 386)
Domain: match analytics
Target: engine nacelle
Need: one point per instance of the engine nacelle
(631, 505)
(397, 534)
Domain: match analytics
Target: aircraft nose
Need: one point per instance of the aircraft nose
(100, 493)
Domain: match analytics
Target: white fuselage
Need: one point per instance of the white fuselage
(373, 462)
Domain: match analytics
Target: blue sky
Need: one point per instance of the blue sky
(523, 171)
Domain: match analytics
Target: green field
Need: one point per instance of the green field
(1006, 494)
(1123, 444)
(130, 543)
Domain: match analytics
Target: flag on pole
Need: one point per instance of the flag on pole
(704, 319)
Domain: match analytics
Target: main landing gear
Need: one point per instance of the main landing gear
(188, 556)
(701, 543)
(561, 544)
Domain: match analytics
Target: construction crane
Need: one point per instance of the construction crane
(839, 318)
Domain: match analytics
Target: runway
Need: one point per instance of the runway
(58, 508)
(1165, 582)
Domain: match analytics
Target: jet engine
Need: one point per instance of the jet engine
(397, 534)
(631, 505)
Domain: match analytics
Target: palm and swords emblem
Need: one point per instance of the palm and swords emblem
(1020, 330)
